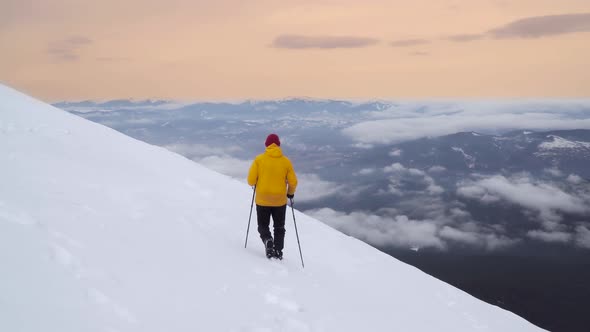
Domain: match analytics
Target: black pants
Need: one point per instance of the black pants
(278, 217)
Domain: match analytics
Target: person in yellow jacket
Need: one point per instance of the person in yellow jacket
(275, 180)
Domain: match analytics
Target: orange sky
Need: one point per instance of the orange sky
(228, 49)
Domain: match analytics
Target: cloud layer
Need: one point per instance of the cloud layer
(407, 121)
(403, 232)
(524, 191)
(548, 202)
(311, 187)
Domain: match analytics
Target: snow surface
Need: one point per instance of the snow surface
(101, 232)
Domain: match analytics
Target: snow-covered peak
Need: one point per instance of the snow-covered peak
(101, 232)
(562, 143)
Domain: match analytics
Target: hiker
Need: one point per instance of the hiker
(275, 181)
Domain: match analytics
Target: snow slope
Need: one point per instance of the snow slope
(101, 232)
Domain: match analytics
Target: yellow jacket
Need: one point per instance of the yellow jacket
(271, 172)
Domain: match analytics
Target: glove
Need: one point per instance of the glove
(290, 196)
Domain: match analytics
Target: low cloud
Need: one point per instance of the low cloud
(403, 232)
(322, 42)
(409, 42)
(198, 151)
(579, 236)
(574, 179)
(553, 171)
(400, 175)
(542, 26)
(396, 152)
(363, 146)
(311, 187)
(437, 169)
(395, 167)
(215, 158)
(365, 171)
(488, 241)
(582, 237)
(548, 200)
(409, 121)
(552, 237)
(399, 231)
(236, 168)
(67, 49)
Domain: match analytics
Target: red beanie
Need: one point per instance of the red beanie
(272, 138)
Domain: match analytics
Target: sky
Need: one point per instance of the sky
(227, 50)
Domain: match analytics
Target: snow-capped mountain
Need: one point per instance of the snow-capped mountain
(101, 232)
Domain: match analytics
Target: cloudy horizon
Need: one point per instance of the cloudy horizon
(363, 170)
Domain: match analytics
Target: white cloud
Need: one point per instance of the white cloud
(415, 120)
(398, 172)
(193, 151)
(458, 213)
(141, 121)
(554, 237)
(554, 171)
(574, 179)
(403, 232)
(366, 171)
(364, 146)
(477, 238)
(395, 153)
(542, 197)
(432, 188)
(415, 172)
(394, 187)
(582, 237)
(397, 167)
(214, 158)
(494, 242)
(312, 187)
(397, 231)
(476, 192)
(459, 235)
(229, 166)
(437, 169)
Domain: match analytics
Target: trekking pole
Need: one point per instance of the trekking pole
(250, 218)
(297, 233)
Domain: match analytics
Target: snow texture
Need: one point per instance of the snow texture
(101, 232)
